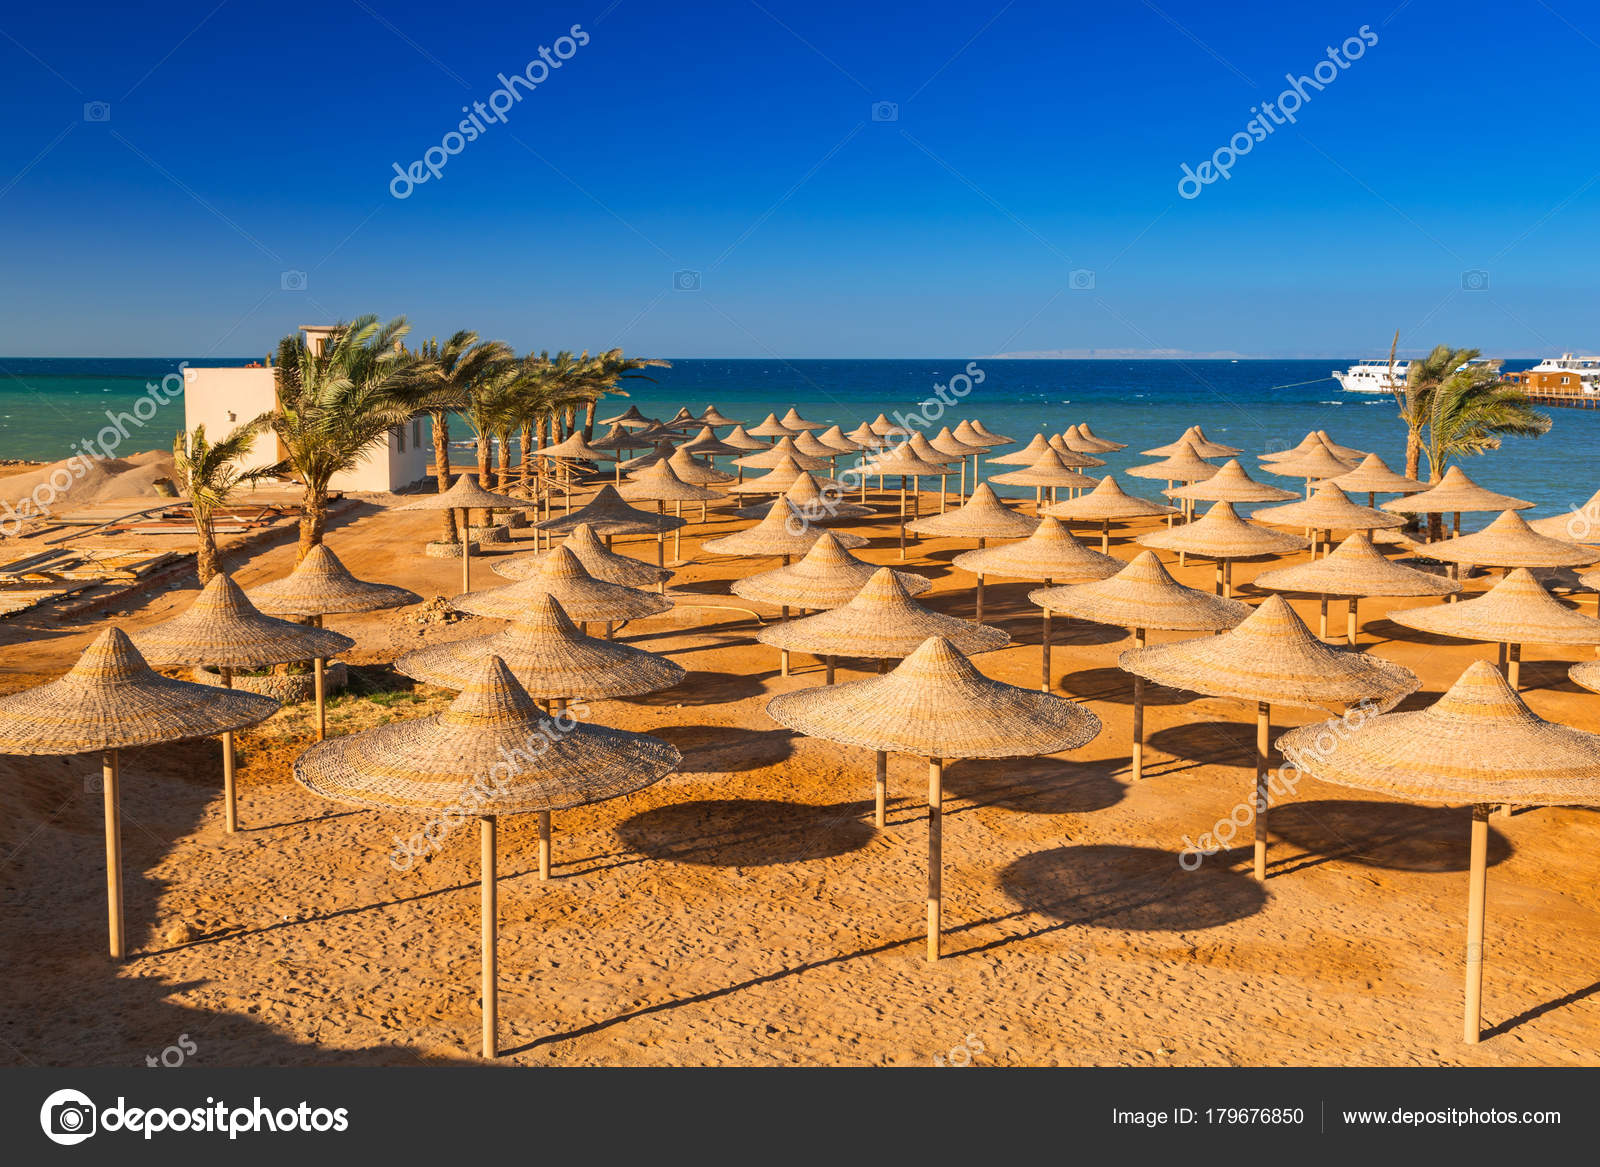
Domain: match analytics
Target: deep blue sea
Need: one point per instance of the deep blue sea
(1258, 405)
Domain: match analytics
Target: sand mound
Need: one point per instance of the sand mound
(78, 482)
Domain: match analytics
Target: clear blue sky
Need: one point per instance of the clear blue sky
(737, 140)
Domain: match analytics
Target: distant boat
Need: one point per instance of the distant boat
(1566, 374)
(1373, 376)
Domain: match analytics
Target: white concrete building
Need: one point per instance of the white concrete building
(221, 399)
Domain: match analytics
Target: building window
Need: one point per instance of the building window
(400, 437)
(416, 432)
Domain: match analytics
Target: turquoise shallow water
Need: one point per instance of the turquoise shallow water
(47, 404)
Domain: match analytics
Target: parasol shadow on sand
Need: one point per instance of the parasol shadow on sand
(748, 832)
(1389, 836)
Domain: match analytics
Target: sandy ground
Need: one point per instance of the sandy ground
(745, 911)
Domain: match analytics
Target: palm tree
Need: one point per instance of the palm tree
(1469, 413)
(607, 371)
(444, 382)
(334, 404)
(206, 475)
(1423, 379)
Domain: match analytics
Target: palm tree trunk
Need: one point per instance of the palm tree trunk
(485, 469)
(588, 420)
(313, 518)
(525, 440)
(205, 560)
(441, 464)
(1413, 453)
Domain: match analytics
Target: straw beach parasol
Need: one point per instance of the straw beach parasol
(827, 577)
(981, 517)
(1105, 504)
(706, 444)
(1354, 569)
(321, 586)
(1579, 525)
(905, 463)
(1220, 534)
(794, 421)
(1050, 555)
(1231, 483)
(881, 622)
(1141, 596)
(714, 418)
(1304, 446)
(1105, 444)
(1373, 475)
(1073, 459)
(450, 764)
(630, 418)
(597, 559)
(1455, 494)
(1516, 611)
(1319, 462)
(1271, 658)
(581, 595)
(809, 502)
(784, 449)
(771, 427)
(1048, 469)
(1026, 456)
(1327, 509)
(946, 443)
(607, 515)
(465, 495)
(937, 705)
(109, 700)
(223, 628)
(660, 484)
(1185, 465)
(780, 478)
(1195, 438)
(1508, 542)
(1477, 745)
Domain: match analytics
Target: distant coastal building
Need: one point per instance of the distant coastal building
(1563, 376)
(221, 399)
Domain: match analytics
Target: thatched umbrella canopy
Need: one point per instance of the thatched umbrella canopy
(1073, 459)
(1355, 568)
(1348, 453)
(465, 495)
(981, 517)
(706, 444)
(1509, 542)
(617, 438)
(989, 436)
(1580, 525)
(1195, 438)
(836, 439)
(1328, 509)
(1316, 464)
(1455, 494)
(1271, 658)
(937, 705)
(781, 478)
(865, 436)
(827, 577)
(442, 766)
(809, 502)
(109, 700)
(660, 484)
(692, 470)
(1027, 456)
(792, 420)
(1373, 475)
(1050, 554)
(597, 559)
(631, 418)
(967, 432)
(321, 586)
(659, 452)
(740, 439)
(1477, 745)
(904, 462)
(713, 417)
(1220, 534)
(1231, 483)
(1516, 611)
(1142, 595)
(1079, 442)
(1105, 504)
(222, 628)
(947, 444)
(683, 419)
(1184, 466)
(812, 447)
(573, 448)
(771, 427)
(1304, 446)
(581, 595)
(607, 514)
(1105, 444)
(884, 428)
(1048, 470)
(778, 454)
(784, 531)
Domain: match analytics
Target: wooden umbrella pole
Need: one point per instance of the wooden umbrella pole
(1217, 586)
(1476, 887)
(1350, 622)
(1501, 662)
(980, 599)
(1044, 642)
(544, 845)
(1514, 666)
(1227, 579)
(1138, 713)
(466, 551)
(490, 991)
(322, 708)
(880, 785)
(935, 851)
(944, 488)
(961, 487)
(827, 663)
(1263, 768)
(1105, 536)
(1322, 622)
(902, 515)
(110, 792)
(677, 534)
(230, 797)
(783, 655)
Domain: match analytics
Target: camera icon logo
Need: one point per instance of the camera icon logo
(67, 1117)
(1475, 280)
(293, 281)
(886, 111)
(97, 111)
(1081, 279)
(94, 783)
(686, 281)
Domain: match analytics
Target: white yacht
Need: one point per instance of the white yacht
(1372, 377)
(1564, 374)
